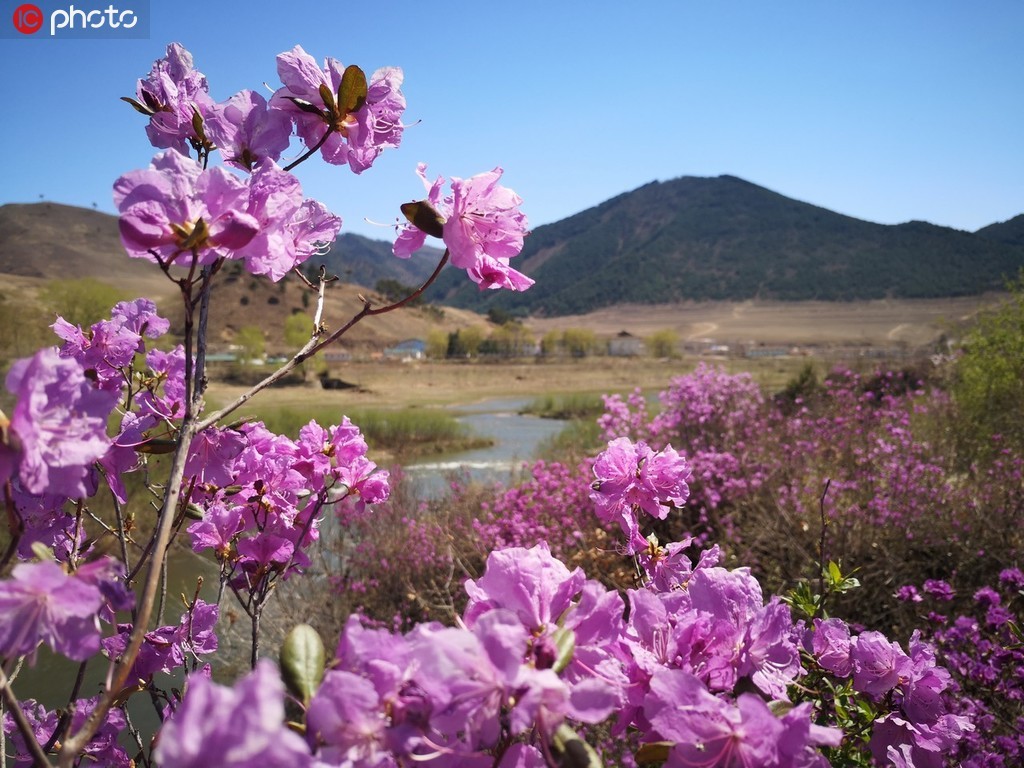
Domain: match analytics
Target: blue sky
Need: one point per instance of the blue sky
(887, 111)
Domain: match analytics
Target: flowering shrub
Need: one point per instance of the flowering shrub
(983, 649)
(691, 666)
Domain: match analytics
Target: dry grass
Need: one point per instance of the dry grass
(439, 383)
(814, 323)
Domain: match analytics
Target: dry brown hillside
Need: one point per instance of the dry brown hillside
(53, 241)
(40, 242)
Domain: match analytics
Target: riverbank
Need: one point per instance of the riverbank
(426, 383)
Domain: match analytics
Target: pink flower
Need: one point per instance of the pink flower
(878, 664)
(173, 93)
(176, 207)
(41, 603)
(480, 223)
(291, 228)
(537, 587)
(831, 643)
(110, 345)
(709, 731)
(310, 97)
(59, 424)
(246, 131)
(232, 727)
(630, 477)
(485, 220)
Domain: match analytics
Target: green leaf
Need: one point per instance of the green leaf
(327, 96)
(352, 90)
(157, 446)
(834, 573)
(303, 661)
(423, 216)
(655, 752)
(193, 512)
(197, 125)
(42, 552)
(565, 642)
(139, 107)
(572, 751)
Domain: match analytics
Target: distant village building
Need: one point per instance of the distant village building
(626, 344)
(410, 349)
(221, 357)
(768, 352)
(337, 356)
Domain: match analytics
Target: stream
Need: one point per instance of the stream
(517, 438)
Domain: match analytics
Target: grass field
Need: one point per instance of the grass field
(440, 383)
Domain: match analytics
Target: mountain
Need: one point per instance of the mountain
(724, 238)
(45, 241)
(1010, 232)
(54, 241)
(51, 240)
(360, 260)
(689, 239)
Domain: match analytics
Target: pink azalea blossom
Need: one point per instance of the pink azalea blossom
(239, 727)
(165, 397)
(630, 477)
(59, 424)
(878, 664)
(708, 731)
(291, 228)
(481, 226)
(42, 603)
(110, 345)
(831, 643)
(246, 131)
(175, 207)
(485, 220)
(537, 587)
(172, 94)
(356, 138)
(103, 749)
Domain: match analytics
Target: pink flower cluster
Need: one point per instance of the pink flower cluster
(921, 729)
(263, 494)
(247, 129)
(313, 97)
(179, 209)
(631, 478)
(539, 646)
(176, 207)
(982, 648)
(480, 223)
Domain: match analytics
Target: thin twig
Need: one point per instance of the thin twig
(65, 716)
(821, 543)
(314, 345)
(310, 152)
(122, 534)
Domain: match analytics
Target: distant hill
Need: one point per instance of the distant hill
(51, 240)
(689, 239)
(1010, 232)
(360, 260)
(46, 241)
(727, 239)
